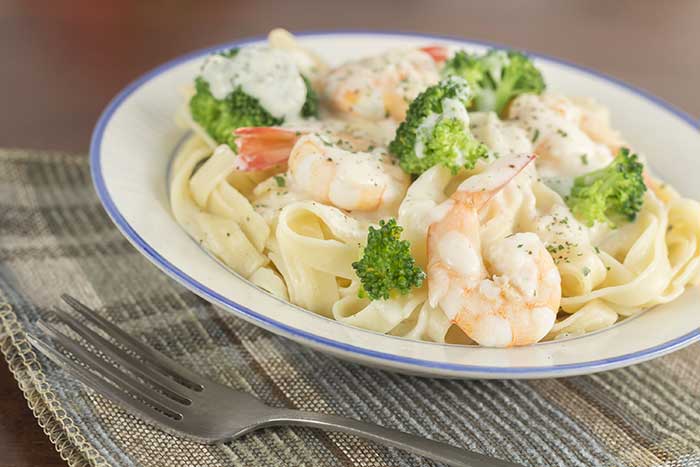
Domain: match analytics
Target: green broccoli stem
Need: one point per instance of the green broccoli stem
(504, 94)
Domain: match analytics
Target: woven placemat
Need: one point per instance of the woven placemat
(55, 237)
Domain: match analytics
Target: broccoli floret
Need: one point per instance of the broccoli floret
(310, 108)
(436, 130)
(467, 66)
(230, 53)
(387, 264)
(497, 77)
(610, 194)
(219, 117)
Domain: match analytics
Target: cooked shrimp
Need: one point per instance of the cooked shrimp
(330, 170)
(379, 87)
(501, 294)
(261, 148)
(569, 140)
(355, 181)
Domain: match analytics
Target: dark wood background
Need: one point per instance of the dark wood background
(61, 62)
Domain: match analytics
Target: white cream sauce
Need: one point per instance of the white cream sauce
(503, 138)
(267, 74)
(562, 233)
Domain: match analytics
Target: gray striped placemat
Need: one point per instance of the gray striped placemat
(55, 237)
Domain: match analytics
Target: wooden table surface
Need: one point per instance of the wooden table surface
(63, 61)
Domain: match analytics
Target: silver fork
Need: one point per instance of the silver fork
(181, 402)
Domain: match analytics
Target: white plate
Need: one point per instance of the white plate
(134, 141)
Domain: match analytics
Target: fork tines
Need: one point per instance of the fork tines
(152, 385)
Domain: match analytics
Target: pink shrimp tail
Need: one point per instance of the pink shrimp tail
(480, 190)
(261, 148)
(438, 53)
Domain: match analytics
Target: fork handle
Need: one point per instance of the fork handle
(425, 447)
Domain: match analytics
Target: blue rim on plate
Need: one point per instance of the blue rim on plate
(205, 292)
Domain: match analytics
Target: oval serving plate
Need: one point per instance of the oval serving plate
(133, 144)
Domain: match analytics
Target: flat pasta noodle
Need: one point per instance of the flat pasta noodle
(409, 315)
(377, 315)
(592, 316)
(228, 242)
(268, 279)
(185, 210)
(228, 202)
(429, 323)
(683, 243)
(418, 209)
(316, 245)
(215, 213)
